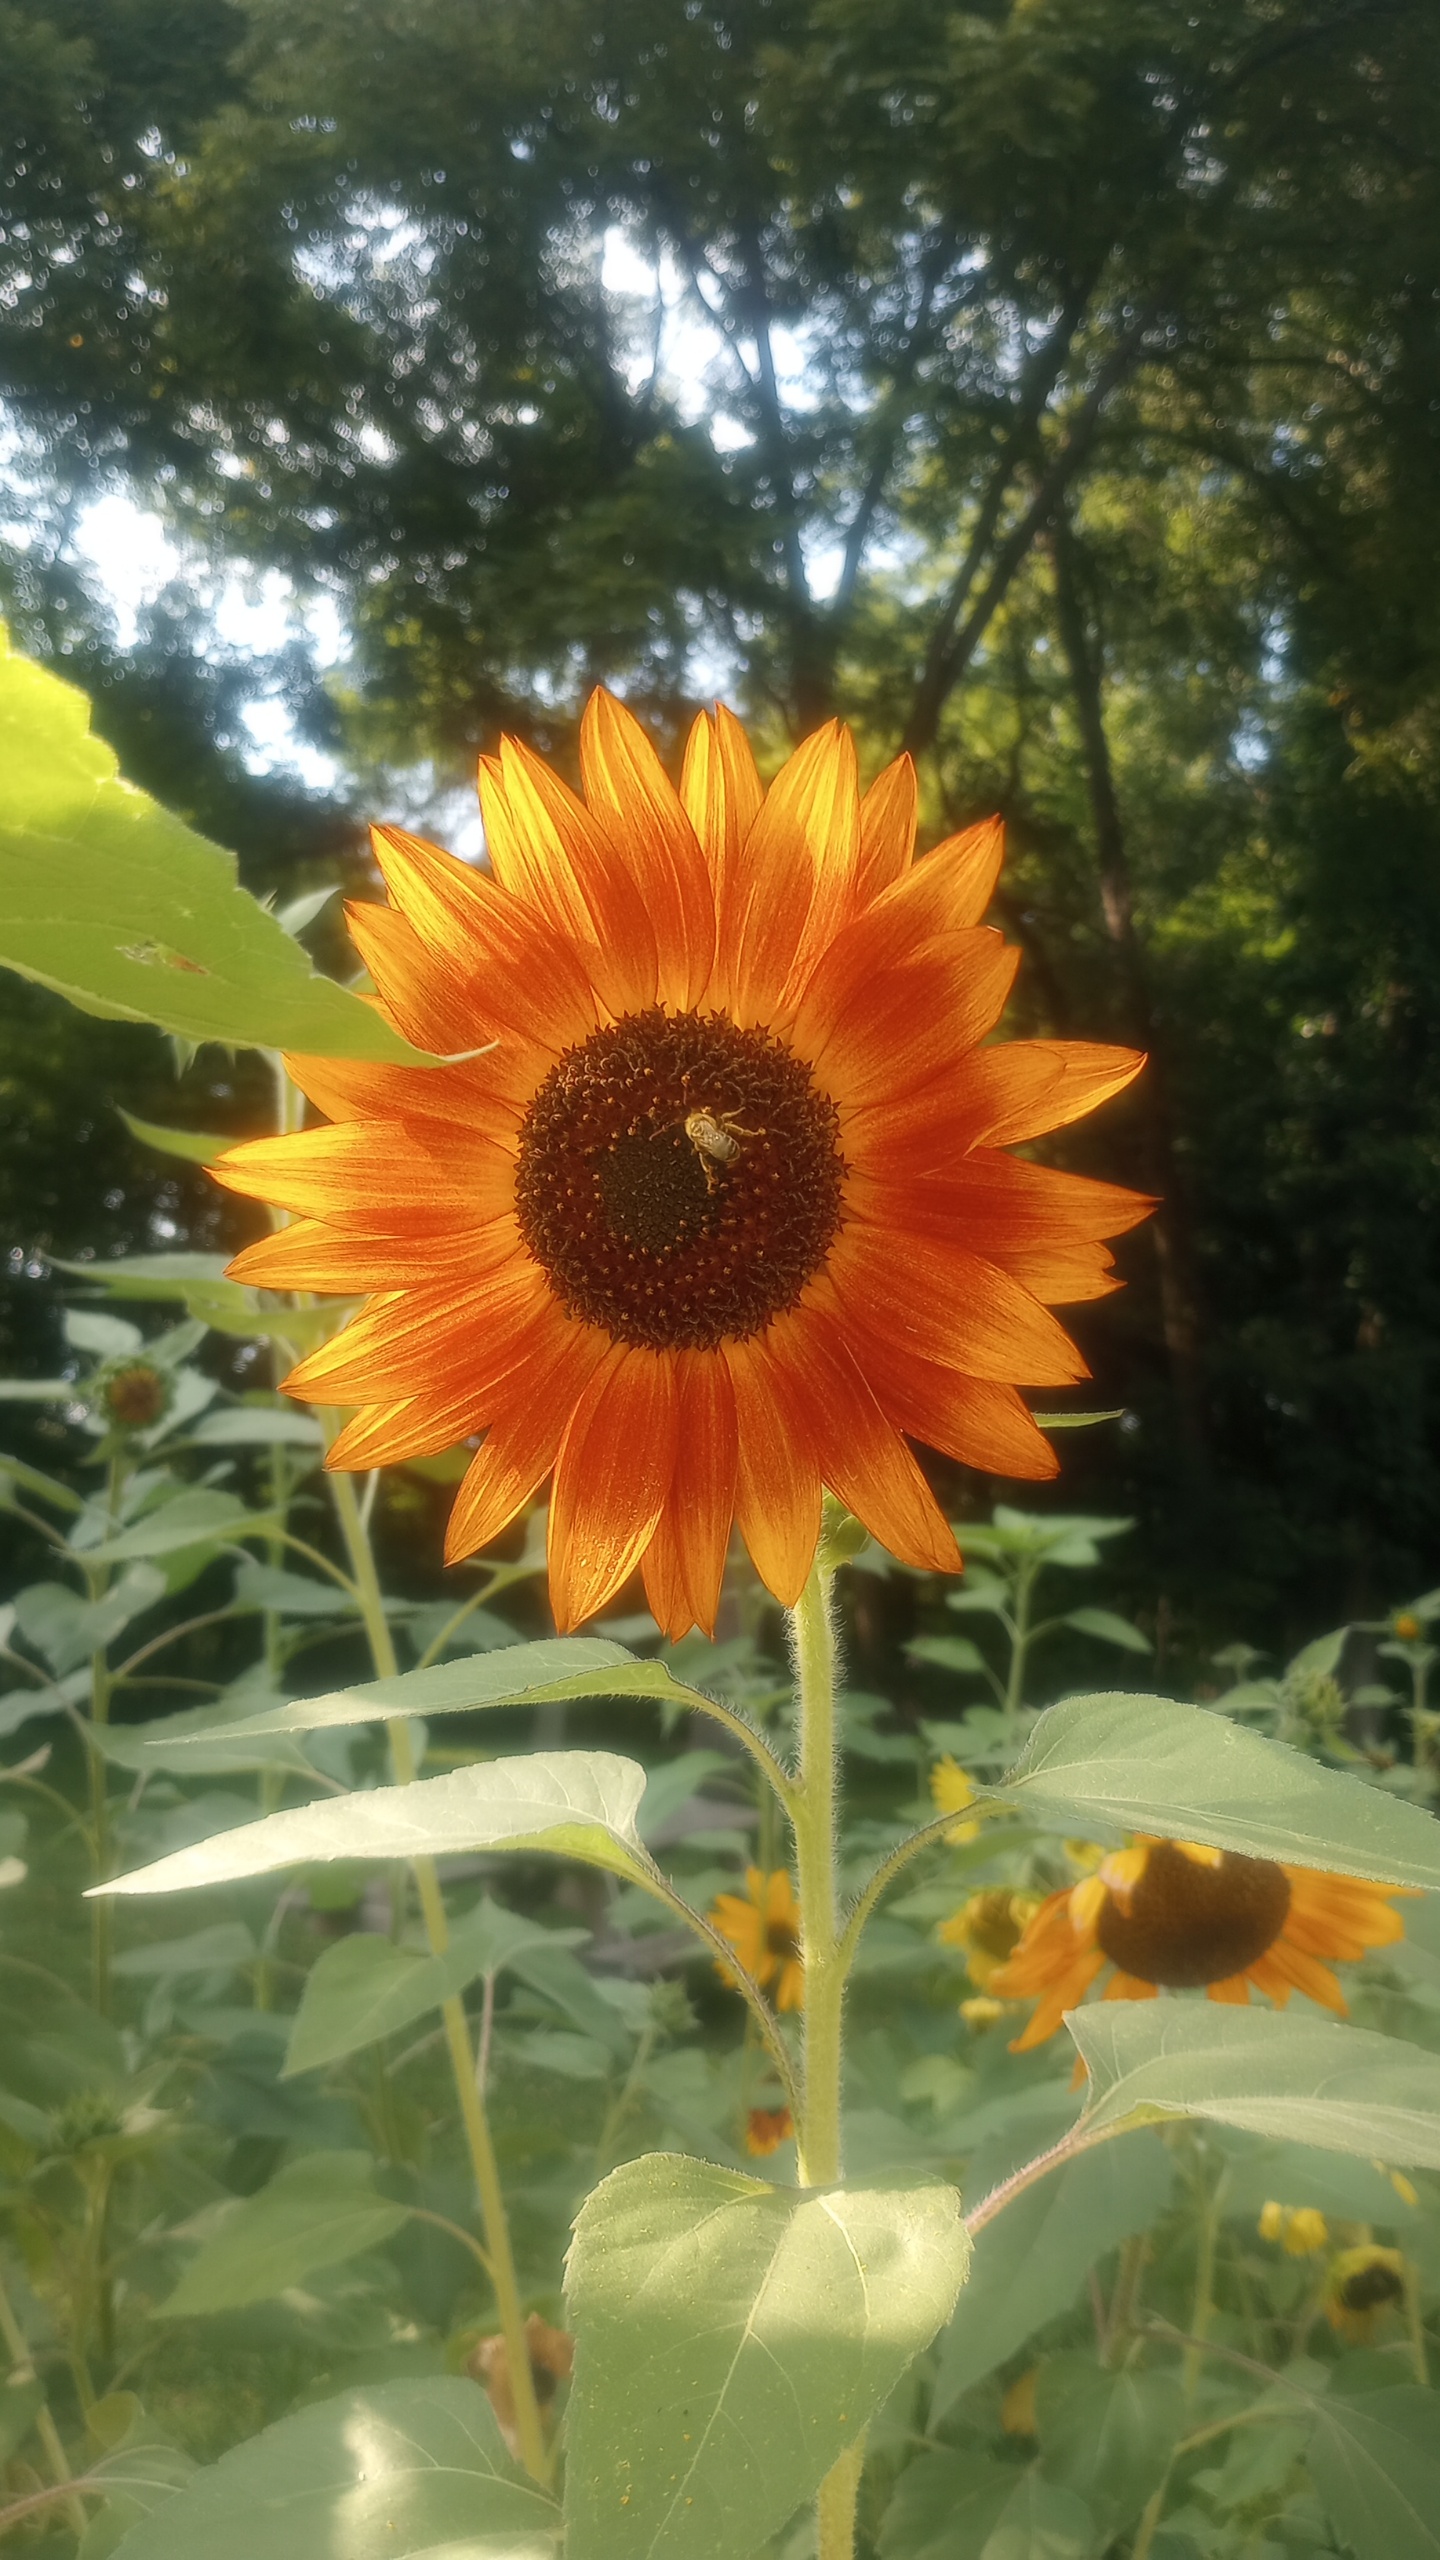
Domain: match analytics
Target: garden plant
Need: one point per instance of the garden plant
(468, 2089)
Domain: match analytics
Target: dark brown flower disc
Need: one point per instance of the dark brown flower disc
(1189, 1924)
(679, 1179)
(135, 1397)
(1371, 2288)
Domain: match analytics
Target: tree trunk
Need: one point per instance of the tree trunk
(1170, 1229)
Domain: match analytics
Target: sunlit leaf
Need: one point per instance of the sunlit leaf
(256, 1427)
(574, 1804)
(364, 1987)
(732, 2339)
(556, 1668)
(197, 1282)
(1100, 1765)
(1294, 2079)
(386, 2473)
(1107, 1628)
(118, 905)
(316, 2212)
(185, 1742)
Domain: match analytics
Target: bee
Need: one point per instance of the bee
(716, 1140)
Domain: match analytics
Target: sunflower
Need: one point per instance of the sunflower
(1363, 2286)
(988, 1927)
(709, 1206)
(1301, 2231)
(763, 1926)
(951, 1790)
(1174, 1915)
(765, 2129)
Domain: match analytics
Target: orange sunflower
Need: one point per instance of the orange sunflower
(763, 1926)
(1175, 1915)
(722, 1211)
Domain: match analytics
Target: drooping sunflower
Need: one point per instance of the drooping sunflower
(722, 1212)
(1177, 1915)
(763, 1926)
(988, 1928)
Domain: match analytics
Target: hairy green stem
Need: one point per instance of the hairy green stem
(101, 1915)
(473, 2117)
(814, 1807)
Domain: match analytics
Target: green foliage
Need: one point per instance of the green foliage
(1341, 2088)
(402, 2469)
(733, 2339)
(88, 866)
(315, 2212)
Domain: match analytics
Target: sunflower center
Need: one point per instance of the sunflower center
(1369, 2288)
(679, 1179)
(782, 1941)
(1189, 1924)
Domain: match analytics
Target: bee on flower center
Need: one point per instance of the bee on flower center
(716, 1140)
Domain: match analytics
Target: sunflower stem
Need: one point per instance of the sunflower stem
(473, 2117)
(818, 2126)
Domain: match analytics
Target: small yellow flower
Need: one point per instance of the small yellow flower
(950, 1792)
(1301, 2231)
(1407, 1626)
(766, 2128)
(1017, 2409)
(988, 1927)
(981, 2012)
(1364, 2285)
(763, 1927)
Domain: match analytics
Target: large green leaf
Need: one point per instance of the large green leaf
(197, 1282)
(185, 1742)
(364, 1987)
(316, 2211)
(575, 1804)
(964, 2506)
(732, 2339)
(1374, 2461)
(556, 1668)
(1117, 1763)
(121, 907)
(385, 2473)
(1107, 2436)
(1294, 2079)
(204, 1517)
(1031, 2261)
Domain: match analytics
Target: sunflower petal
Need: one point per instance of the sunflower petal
(887, 829)
(612, 1477)
(777, 1491)
(627, 785)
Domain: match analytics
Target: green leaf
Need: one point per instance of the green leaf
(203, 1517)
(948, 1653)
(732, 2339)
(222, 1948)
(1294, 2079)
(1373, 2460)
(67, 1629)
(16, 1477)
(116, 904)
(1040, 2521)
(573, 1804)
(945, 2507)
(1117, 1763)
(1108, 1629)
(256, 1427)
(558, 1667)
(194, 1146)
(387, 2473)
(1108, 2437)
(184, 1743)
(316, 2211)
(364, 1987)
(109, 1337)
(20, 2406)
(1031, 2261)
(197, 1282)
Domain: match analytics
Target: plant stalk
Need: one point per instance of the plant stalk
(22, 2369)
(813, 1810)
(473, 2116)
